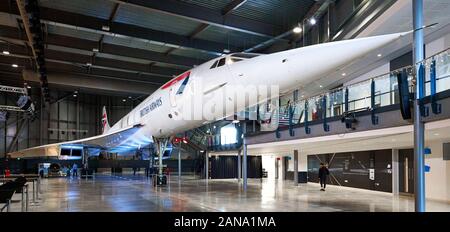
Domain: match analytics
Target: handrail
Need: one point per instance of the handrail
(370, 79)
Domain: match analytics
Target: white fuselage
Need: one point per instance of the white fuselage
(288, 70)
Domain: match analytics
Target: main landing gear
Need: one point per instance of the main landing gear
(160, 179)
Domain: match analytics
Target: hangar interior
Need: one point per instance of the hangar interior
(86, 54)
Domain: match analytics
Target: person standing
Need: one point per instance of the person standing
(323, 174)
(7, 172)
(75, 170)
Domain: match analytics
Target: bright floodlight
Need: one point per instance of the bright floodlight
(297, 30)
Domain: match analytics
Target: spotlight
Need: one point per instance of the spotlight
(124, 100)
(312, 21)
(297, 30)
(75, 95)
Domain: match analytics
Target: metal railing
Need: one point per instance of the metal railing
(383, 90)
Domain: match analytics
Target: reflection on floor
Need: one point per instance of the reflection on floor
(135, 193)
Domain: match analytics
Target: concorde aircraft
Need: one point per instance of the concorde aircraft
(163, 113)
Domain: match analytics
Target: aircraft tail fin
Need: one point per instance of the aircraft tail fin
(105, 123)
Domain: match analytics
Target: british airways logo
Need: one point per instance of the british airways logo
(155, 104)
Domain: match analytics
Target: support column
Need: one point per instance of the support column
(239, 165)
(179, 162)
(419, 163)
(78, 118)
(395, 172)
(160, 156)
(206, 165)
(276, 168)
(244, 161)
(295, 167)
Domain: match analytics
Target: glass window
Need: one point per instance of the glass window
(233, 60)
(214, 65)
(228, 134)
(221, 62)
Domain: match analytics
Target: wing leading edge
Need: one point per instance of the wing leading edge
(108, 140)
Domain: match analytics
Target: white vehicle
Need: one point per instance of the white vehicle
(160, 116)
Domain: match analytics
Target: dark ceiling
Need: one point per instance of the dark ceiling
(145, 41)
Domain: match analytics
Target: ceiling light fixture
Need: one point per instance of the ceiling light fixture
(6, 53)
(105, 28)
(344, 74)
(95, 50)
(379, 55)
(15, 65)
(235, 121)
(297, 30)
(312, 21)
(226, 50)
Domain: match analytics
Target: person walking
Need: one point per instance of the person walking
(323, 174)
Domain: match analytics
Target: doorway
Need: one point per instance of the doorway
(406, 171)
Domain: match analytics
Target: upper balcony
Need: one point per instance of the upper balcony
(362, 104)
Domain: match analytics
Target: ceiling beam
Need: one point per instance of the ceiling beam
(317, 8)
(94, 24)
(234, 5)
(205, 15)
(86, 81)
(87, 60)
(74, 69)
(12, 33)
(230, 7)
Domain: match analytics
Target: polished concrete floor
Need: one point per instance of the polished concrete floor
(135, 193)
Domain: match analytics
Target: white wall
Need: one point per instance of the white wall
(437, 45)
(383, 69)
(437, 181)
(268, 163)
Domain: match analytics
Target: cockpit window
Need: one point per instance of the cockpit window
(214, 65)
(245, 55)
(233, 60)
(221, 62)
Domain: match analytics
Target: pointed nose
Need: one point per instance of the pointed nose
(310, 63)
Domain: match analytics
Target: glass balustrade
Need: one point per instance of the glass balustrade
(359, 98)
